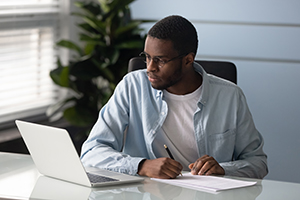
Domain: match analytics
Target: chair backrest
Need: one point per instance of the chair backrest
(226, 70)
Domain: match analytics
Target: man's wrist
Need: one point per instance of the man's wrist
(140, 166)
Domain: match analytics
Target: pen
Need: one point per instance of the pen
(170, 154)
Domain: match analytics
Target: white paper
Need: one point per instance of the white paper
(211, 183)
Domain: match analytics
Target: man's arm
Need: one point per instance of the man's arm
(103, 147)
(248, 158)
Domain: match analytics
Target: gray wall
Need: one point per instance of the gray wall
(263, 39)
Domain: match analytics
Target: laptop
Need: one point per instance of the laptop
(55, 156)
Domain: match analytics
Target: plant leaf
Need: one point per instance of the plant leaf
(79, 116)
(60, 76)
(89, 48)
(70, 45)
(115, 56)
(96, 24)
(87, 28)
(114, 6)
(94, 39)
(91, 8)
(133, 44)
(59, 106)
(84, 69)
(124, 29)
(104, 70)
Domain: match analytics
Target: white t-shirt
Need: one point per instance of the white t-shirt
(178, 129)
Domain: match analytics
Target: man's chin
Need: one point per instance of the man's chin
(157, 87)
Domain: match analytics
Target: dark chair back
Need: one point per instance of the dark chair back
(226, 70)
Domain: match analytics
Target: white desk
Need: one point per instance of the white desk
(19, 179)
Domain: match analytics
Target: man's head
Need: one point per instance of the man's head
(179, 31)
(170, 49)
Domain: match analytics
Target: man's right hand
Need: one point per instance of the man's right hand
(164, 168)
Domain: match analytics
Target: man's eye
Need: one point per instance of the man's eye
(160, 61)
(155, 60)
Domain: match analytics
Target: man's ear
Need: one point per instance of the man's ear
(189, 59)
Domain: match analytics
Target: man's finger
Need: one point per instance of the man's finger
(199, 164)
(207, 166)
(173, 168)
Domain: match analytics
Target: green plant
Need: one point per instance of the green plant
(109, 39)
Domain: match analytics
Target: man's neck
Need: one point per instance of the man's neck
(189, 84)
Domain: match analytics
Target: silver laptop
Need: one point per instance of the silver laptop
(54, 155)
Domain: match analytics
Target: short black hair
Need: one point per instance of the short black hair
(179, 30)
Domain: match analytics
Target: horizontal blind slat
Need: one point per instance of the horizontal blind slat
(26, 3)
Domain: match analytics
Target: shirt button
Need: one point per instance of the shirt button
(153, 132)
(162, 113)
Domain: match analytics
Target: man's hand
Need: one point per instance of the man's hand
(206, 165)
(160, 168)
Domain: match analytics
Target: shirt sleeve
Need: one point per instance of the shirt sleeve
(249, 159)
(103, 147)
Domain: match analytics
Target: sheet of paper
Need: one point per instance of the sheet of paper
(211, 183)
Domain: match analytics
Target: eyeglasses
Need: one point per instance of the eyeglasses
(160, 62)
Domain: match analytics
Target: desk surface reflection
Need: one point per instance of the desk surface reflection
(19, 179)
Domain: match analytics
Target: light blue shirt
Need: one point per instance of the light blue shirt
(128, 124)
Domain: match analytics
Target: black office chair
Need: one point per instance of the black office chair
(226, 70)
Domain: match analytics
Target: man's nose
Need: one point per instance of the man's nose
(152, 66)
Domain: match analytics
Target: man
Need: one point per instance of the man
(204, 120)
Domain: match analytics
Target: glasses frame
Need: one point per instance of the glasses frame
(158, 60)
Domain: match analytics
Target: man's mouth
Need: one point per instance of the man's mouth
(152, 78)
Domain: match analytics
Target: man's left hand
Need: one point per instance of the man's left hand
(206, 165)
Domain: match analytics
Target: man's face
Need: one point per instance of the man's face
(171, 73)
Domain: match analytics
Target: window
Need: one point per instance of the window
(29, 30)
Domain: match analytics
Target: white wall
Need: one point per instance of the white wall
(263, 39)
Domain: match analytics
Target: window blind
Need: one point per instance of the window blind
(28, 32)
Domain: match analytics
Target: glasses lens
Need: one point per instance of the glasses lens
(144, 56)
(147, 59)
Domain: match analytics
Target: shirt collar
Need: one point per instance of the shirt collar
(205, 83)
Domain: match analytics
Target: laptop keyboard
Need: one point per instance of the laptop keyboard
(99, 179)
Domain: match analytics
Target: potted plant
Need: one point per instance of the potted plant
(109, 39)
